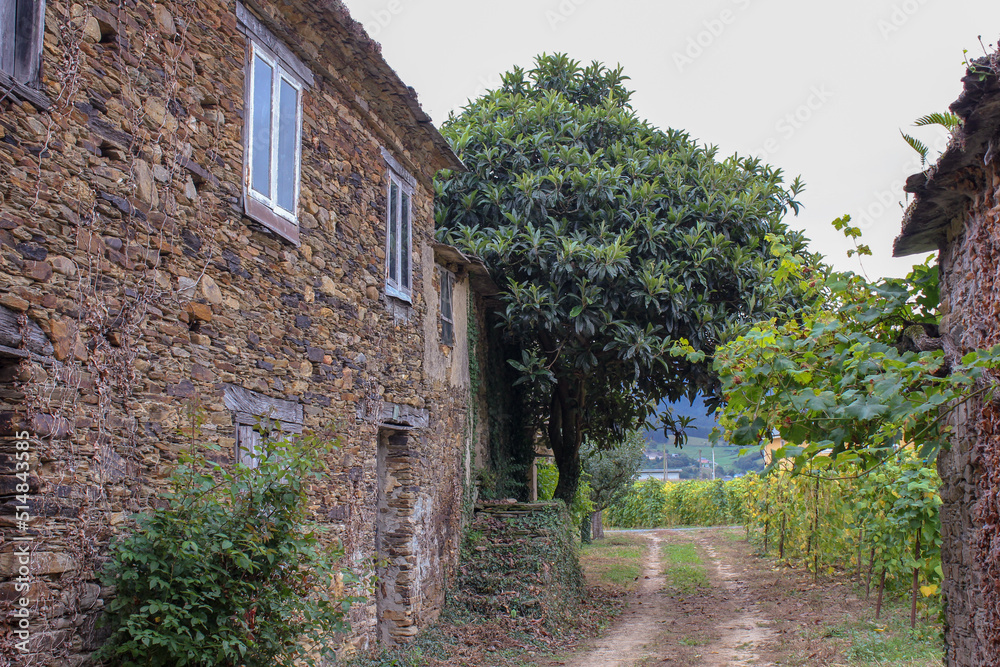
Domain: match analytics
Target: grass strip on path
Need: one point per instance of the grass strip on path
(683, 568)
(614, 562)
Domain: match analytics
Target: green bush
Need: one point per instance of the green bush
(231, 570)
(643, 506)
(653, 504)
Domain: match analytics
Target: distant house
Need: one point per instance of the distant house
(956, 212)
(212, 213)
(672, 475)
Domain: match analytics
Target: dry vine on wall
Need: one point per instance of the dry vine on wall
(107, 162)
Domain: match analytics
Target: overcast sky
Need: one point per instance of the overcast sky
(820, 89)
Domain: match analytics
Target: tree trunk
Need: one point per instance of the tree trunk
(566, 435)
(597, 525)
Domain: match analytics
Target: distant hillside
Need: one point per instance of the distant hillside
(700, 427)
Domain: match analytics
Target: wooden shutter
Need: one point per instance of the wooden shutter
(8, 22)
(248, 445)
(21, 31)
(253, 412)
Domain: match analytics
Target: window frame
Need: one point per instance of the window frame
(287, 67)
(279, 74)
(24, 74)
(254, 412)
(447, 279)
(406, 186)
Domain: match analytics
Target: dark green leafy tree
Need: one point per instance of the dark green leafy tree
(231, 571)
(623, 251)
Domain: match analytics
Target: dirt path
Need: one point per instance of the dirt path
(719, 625)
(745, 631)
(628, 642)
(716, 603)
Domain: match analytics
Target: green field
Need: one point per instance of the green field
(725, 455)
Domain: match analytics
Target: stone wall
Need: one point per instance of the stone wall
(970, 299)
(136, 291)
(520, 561)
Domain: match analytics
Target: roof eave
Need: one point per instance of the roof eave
(942, 192)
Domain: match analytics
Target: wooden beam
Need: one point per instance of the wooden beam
(253, 404)
(23, 92)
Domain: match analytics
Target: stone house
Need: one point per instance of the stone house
(956, 211)
(213, 211)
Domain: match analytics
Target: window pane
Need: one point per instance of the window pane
(450, 283)
(404, 242)
(446, 307)
(260, 127)
(393, 231)
(25, 57)
(288, 104)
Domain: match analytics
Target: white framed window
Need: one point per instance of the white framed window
(274, 133)
(447, 307)
(275, 81)
(399, 236)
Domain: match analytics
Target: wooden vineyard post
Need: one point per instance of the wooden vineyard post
(871, 568)
(916, 581)
(767, 526)
(816, 534)
(861, 544)
(781, 544)
(881, 589)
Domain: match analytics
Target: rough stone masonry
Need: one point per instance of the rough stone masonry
(149, 303)
(956, 211)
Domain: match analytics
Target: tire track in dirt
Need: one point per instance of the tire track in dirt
(741, 634)
(630, 641)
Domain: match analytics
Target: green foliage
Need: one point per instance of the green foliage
(845, 377)
(230, 570)
(582, 506)
(525, 566)
(509, 448)
(642, 507)
(947, 120)
(866, 522)
(548, 477)
(610, 471)
(622, 251)
(653, 504)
